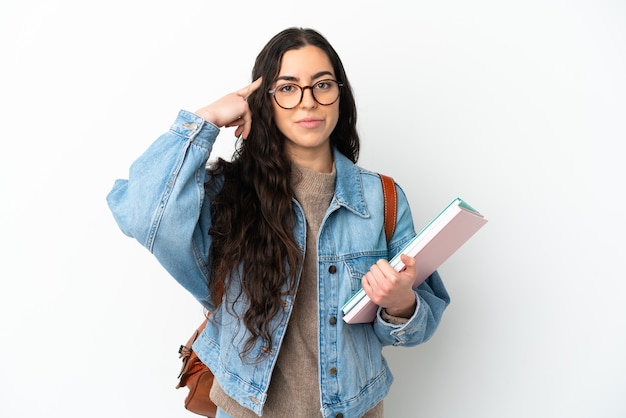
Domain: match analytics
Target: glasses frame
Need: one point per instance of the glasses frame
(302, 88)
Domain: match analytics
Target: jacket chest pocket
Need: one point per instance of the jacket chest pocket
(357, 267)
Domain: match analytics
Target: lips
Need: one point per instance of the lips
(310, 123)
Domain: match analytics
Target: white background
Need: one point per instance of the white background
(517, 106)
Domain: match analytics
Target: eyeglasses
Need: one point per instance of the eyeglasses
(289, 95)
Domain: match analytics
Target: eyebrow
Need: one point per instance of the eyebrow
(316, 75)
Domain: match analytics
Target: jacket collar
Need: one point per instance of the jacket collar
(349, 186)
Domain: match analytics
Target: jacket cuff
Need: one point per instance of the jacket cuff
(193, 127)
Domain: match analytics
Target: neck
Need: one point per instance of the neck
(320, 160)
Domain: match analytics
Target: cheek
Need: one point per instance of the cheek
(280, 117)
(335, 118)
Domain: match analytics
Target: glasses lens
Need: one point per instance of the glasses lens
(326, 92)
(288, 95)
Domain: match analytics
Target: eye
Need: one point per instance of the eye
(323, 85)
(287, 88)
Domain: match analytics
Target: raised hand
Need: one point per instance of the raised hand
(232, 110)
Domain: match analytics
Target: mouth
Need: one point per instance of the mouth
(309, 123)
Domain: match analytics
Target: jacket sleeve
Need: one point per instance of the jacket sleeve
(432, 297)
(432, 300)
(162, 204)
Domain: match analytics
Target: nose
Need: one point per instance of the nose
(308, 101)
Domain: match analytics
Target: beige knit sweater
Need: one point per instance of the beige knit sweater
(294, 389)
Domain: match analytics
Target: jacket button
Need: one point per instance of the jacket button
(339, 415)
(332, 320)
(332, 269)
(333, 371)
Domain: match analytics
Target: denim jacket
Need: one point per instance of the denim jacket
(164, 205)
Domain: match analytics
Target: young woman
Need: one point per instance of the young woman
(276, 240)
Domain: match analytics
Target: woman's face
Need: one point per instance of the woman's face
(308, 125)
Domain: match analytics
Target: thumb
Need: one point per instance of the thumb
(409, 264)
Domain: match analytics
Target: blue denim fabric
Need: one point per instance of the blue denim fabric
(163, 206)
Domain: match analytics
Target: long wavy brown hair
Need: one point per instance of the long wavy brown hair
(252, 215)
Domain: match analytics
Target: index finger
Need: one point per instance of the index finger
(250, 88)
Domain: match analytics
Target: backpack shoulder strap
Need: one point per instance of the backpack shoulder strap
(390, 194)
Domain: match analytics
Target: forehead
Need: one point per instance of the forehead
(304, 63)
